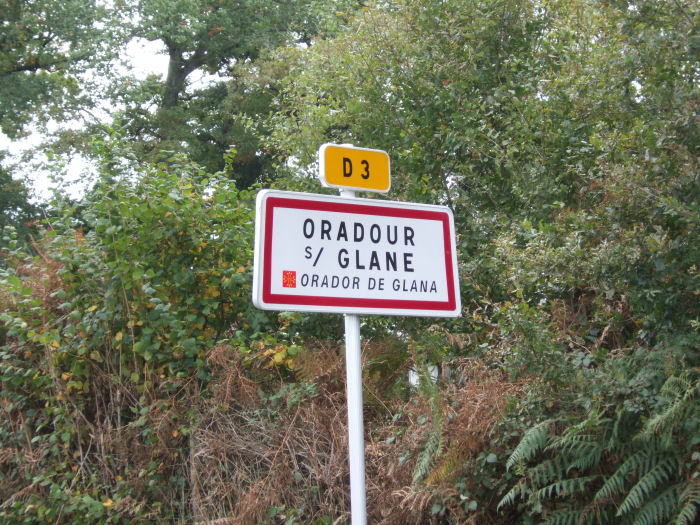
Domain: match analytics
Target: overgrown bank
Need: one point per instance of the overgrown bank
(140, 384)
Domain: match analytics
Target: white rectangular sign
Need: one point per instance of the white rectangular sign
(318, 253)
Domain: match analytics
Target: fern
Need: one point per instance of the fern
(585, 451)
(548, 470)
(683, 391)
(520, 488)
(566, 487)
(650, 470)
(640, 461)
(571, 442)
(623, 426)
(452, 461)
(582, 443)
(690, 501)
(426, 455)
(566, 517)
(532, 442)
(585, 462)
(615, 484)
(661, 473)
(593, 422)
(659, 509)
(435, 443)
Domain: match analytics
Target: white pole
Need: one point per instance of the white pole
(356, 435)
(356, 432)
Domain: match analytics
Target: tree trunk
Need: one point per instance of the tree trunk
(175, 81)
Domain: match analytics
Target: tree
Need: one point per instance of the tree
(222, 38)
(15, 209)
(438, 94)
(565, 138)
(44, 48)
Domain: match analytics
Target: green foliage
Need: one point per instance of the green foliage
(681, 393)
(562, 139)
(690, 501)
(220, 40)
(639, 480)
(438, 85)
(174, 249)
(16, 212)
(534, 441)
(108, 331)
(565, 140)
(424, 350)
(44, 46)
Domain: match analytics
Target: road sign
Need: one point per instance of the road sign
(330, 254)
(345, 166)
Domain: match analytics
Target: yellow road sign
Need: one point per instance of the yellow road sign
(345, 166)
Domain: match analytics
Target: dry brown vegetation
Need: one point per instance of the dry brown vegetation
(246, 457)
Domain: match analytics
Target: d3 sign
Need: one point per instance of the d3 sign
(345, 166)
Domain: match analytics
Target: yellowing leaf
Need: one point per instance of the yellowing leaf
(55, 344)
(92, 308)
(241, 269)
(119, 336)
(108, 503)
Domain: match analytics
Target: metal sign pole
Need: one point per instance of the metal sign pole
(356, 433)
(414, 242)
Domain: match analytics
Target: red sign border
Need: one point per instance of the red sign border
(273, 202)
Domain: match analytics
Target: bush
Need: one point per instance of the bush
(107, 334)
